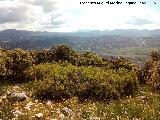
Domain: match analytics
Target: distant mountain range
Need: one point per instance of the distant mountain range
(122, 32)
(82, 40)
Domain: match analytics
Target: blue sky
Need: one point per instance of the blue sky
(70, 15)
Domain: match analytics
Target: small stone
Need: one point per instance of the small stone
(16, 87)
(16, 113)
(66, 111)
(144, 98)
(48, 103)
(13, 97)
(29, 106)
(39, 115)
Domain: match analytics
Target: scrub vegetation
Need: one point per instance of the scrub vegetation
(62, 84)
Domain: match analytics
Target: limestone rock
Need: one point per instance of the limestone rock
(13, 97)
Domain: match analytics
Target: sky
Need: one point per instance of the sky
(70, 15)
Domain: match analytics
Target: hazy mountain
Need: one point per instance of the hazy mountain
(82, 40)
(122, 32)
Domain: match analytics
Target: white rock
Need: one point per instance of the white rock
(39, 115)
(94, 118)
(144, 98)
(16, 113)
(13, 97)
(48, 103)
(66, 111)
(29, 106)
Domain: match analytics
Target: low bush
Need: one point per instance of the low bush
(90, 59)
(66, 53)
(15, 63)
(59, 81)
(61, 52)
(150, 73)
(2, 64)
(119, 63)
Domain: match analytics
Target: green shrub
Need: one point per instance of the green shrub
(150, 73)
(122, 63)
(2, 65)
(66, 53)
(61, 52)
(57, 81)
(49, 89)
(40, 56)
(145, 73)
(90, 59)
(16, 62)
(154, 75)
(155, 55)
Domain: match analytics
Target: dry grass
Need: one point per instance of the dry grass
(143, 106)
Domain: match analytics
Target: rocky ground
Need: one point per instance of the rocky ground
(17, 103)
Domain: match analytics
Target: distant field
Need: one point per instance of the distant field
(133, 53)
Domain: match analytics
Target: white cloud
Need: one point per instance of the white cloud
(69, 15)
(13, 14)
(47, 5)
(139, 21)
